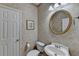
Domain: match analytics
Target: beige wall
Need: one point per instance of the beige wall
(29, 12)
(70, 39)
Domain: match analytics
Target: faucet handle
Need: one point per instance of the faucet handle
(57, 46)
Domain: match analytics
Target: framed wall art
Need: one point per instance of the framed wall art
(30, 25)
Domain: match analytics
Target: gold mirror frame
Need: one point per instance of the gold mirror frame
(69, 24)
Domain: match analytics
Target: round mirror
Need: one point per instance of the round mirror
(60, 22)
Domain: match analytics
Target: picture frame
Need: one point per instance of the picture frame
(30, 25)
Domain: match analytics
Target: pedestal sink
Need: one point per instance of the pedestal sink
(52, 50)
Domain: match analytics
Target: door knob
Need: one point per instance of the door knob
(17, 40)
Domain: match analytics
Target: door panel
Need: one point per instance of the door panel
(9, 32)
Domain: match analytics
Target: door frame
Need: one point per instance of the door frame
(20, 24)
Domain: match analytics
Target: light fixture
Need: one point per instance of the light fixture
(56, 5)
(51, 8)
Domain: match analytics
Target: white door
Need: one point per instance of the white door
(9, 32)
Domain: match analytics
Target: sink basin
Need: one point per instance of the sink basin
(51, 50)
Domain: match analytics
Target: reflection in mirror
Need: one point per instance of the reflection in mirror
(60, 22)
(64, 24)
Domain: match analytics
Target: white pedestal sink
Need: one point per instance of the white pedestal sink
(52, 50)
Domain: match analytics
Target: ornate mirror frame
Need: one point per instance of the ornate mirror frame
(69, 24)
